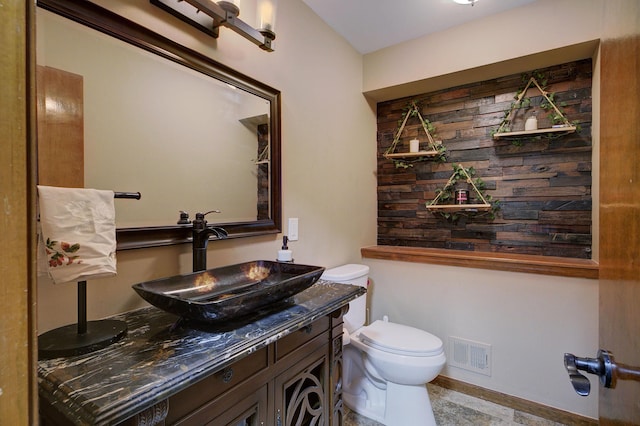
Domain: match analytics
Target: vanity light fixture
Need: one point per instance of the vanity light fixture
(471, 2)
(209, 16)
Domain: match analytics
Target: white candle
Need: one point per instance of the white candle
(414, 145)
(531, 123)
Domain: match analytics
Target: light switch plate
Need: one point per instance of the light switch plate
(293, 229)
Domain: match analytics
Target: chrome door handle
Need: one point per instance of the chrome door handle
(603, 366)
(600, 366)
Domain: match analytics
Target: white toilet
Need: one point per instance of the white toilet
(385, 365)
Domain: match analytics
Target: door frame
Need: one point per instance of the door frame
(18, 404)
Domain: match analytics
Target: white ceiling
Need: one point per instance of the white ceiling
(370, 25)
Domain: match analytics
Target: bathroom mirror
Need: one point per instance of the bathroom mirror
(186, 132)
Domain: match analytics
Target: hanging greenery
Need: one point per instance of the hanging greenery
(461, 174)
(555, 113)
(436, 148)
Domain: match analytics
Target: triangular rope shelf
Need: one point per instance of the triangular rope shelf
(565, 127)
(434, 148)
(485, 206)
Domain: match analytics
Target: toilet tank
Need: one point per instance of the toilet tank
(354, 274)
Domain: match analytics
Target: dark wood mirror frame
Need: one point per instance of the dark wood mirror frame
(105, 21)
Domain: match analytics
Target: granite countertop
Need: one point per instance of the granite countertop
(161, 355)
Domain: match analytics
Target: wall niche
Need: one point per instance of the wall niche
(543, 183)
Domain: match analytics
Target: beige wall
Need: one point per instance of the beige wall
(475, 49)
(530, 320)
(328, 146)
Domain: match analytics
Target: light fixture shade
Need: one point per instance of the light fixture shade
(232, 6)
(471, 2)
(210, 15)
(267, 15)
(236, 3)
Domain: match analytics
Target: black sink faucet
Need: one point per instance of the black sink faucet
(201, 233)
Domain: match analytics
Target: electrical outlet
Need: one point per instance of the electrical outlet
(293, 229)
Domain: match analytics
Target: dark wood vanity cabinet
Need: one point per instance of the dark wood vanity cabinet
(294, 380)
(279, 368)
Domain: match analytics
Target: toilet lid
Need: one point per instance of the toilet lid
(400, 339)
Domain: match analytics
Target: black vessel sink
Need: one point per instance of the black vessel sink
(228, 292)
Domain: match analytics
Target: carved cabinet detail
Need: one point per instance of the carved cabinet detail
(301, 395)
(293, 381)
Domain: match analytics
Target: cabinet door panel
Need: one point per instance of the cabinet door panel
(301, 393)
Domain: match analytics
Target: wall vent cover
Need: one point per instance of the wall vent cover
(469, 355)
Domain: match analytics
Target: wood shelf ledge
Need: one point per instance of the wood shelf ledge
(532, 264)
(526, 133)
(460, 207)
(432, 153)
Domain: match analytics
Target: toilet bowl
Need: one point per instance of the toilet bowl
(385, 365)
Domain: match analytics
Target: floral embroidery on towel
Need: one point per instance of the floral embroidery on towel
(58, 258)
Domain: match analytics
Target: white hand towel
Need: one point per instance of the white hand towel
(78, 232)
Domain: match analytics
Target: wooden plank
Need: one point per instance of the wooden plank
(60, 128)
(565, 218)
(528, 133)
(18, 386)
(513, 262)
(526, 176)
(558, 191)
(412, 154)
(619, 218)
(460, 207)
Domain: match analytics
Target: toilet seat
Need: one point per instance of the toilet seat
(400, 339)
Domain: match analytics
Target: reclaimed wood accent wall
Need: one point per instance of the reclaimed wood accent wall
(543, 185)
(264, 210)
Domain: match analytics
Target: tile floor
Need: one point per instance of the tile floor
(452, 408)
